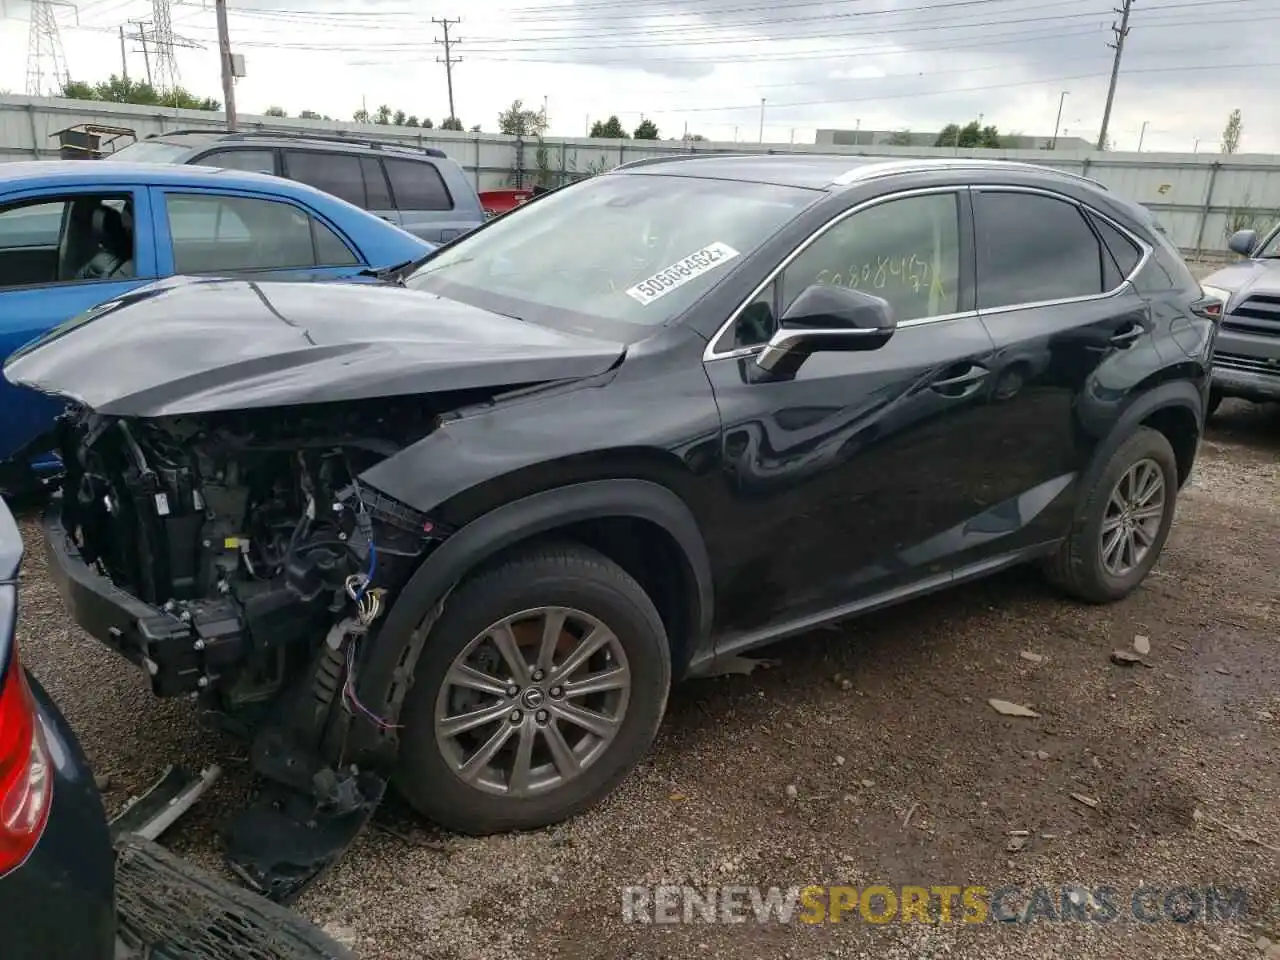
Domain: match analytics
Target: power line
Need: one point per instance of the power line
(448, 60)
(1121, 32)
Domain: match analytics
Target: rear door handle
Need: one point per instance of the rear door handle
(961, 384)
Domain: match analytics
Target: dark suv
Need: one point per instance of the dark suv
(462, 530)
(419, 189)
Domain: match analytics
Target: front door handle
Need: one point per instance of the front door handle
(1128, 335)
(962, 384)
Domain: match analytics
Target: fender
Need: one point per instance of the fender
(1175, 393)
(394, 653)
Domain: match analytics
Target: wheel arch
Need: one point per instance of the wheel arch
(1175, 409)
(604, 514)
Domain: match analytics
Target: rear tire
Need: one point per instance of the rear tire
(1091, 564)
(444, 774)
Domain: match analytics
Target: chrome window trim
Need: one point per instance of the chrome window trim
(710, 353)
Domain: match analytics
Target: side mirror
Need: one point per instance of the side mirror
(826, 318)
(1243, 242)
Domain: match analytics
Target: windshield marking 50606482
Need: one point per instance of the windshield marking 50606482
(681, 272)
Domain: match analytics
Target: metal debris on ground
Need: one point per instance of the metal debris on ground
(1011, 709)
(1087, 801)
(1032, 657)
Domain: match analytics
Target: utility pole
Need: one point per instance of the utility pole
(224, 55)
(1142, 134)
(449, 60)
(762, 119)
(142, 39)
(124, 58)
(1121, 32)
(1057, 123)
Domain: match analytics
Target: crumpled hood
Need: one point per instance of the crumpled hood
(1245, 278)
(193, 346)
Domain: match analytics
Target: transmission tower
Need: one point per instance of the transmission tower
(46, 60)
(166, 65)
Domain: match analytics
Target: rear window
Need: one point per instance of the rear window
(417, 185)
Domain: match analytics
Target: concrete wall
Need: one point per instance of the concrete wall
(1198, 197)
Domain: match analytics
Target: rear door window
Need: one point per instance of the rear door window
(335, 173)
(252, 161)
(1033, 248)
(417, 185)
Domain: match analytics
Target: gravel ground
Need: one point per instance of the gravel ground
(866, 755)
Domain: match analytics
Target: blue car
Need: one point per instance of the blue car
(77, 234)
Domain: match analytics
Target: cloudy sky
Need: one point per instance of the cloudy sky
(705, 65)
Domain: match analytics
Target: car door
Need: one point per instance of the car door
(233, 233)
(1067, 326)
(427, 208)
(47, 240)
(850, 481)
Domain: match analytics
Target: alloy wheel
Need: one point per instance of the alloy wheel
(1131, 522)
(532, 701)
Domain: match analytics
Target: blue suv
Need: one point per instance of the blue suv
(74, 234)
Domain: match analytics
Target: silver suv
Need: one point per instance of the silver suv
(1246, 361)
(417, 188)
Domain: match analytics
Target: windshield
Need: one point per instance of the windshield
(150, 151)
(624, 249)
(1269, 249)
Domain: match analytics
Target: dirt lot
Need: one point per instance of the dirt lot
(901, 775)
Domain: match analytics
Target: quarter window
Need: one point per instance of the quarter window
(905, 251)
(230, 234)
(1033, 248)
(1123, 250)
(417, 185)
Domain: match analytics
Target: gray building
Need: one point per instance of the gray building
(884, 138)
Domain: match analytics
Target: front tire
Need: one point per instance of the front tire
(1122, 524)
(539, 689)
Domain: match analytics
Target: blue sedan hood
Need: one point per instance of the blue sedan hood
(183, 346)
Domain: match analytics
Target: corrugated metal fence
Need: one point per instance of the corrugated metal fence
(1200, 198)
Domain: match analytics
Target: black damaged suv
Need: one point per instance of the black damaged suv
(462, 530)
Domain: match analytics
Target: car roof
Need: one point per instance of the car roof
(828, 172)
(159, 174)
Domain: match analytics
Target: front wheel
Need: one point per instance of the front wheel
(1122, 523)
(539, 689)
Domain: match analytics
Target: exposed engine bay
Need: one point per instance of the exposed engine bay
(263, 566)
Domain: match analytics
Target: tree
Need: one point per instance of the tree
(476, 128)
(360, 116)
(119, 90)
(901, 138)
(274, 112)
(693, 136)
(517, 121)
(383, 116)
(648, 130)
(450, 123)
(610, 129)
(427, 124)
(309, 115)
(412, 121)
(972, 134)
(399, 118)
(1231, 133)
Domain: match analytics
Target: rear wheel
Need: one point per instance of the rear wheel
(539, 689)
(1123, 522)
